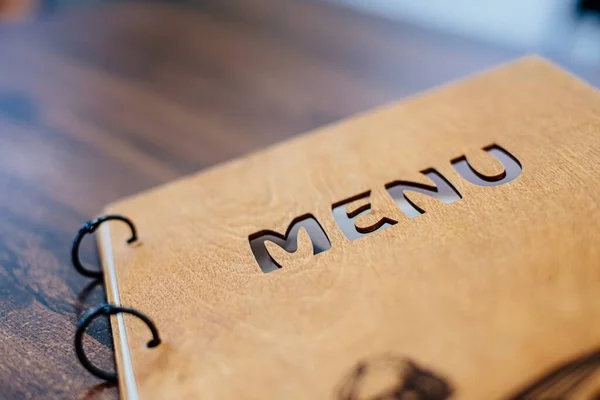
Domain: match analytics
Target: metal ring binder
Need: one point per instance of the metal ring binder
(90, 227)
(108, 309)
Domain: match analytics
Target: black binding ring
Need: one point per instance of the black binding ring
(108, 309)
(90, 227)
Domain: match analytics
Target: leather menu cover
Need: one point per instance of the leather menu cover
(447, 246)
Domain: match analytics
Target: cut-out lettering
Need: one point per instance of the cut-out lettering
(442, 191)
(288, 242)
(512, 168)
(347, 220)
(347, 212)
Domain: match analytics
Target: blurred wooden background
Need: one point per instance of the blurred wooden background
(102, 101)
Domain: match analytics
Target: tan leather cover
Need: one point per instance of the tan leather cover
(495, 295)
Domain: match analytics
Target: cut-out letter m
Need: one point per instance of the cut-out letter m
(288, 242)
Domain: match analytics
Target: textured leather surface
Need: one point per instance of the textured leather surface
(486, 293)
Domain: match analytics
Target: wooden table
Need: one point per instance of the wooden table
(101, 102)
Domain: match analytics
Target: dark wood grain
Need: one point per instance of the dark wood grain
(101, 102)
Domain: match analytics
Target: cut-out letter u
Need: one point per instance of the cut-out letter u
(512, 168)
